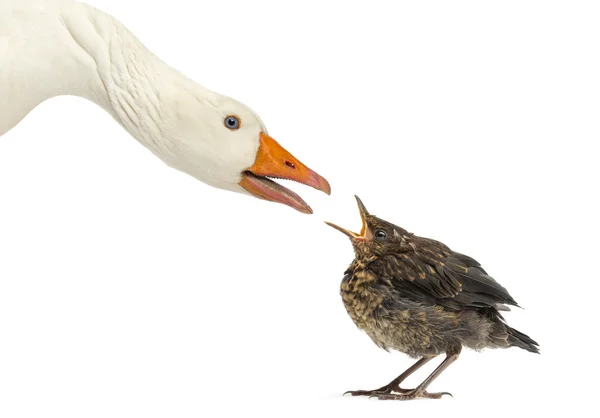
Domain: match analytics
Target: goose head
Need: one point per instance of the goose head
(211, 137)
(223, 143)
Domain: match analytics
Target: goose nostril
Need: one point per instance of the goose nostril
(290, 164)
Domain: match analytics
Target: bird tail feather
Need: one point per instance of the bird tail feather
(518, 339)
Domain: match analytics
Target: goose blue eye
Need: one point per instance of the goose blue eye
(232, 122)
(380, 235)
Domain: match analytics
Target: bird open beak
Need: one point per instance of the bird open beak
(272, 160)
(365, 232)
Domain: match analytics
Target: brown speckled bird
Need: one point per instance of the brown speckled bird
(417, 296)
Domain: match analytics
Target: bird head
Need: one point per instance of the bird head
(376, 237)
(224, 143)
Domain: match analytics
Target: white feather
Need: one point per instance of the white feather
(60, 47)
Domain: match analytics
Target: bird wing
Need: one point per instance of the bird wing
(437, 275)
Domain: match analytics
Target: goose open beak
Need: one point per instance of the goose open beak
(274, 161)
(365, 233)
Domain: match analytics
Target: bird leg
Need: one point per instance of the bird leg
(420, 391)
(394, 385)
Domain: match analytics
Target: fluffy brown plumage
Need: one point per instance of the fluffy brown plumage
(417, 296)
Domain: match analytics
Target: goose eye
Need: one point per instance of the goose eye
(232, 122)
(380, 235)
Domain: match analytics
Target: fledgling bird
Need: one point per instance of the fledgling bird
(417, 296)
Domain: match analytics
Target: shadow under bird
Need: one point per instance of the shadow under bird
(417, 296)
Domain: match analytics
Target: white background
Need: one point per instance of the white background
(128, 289)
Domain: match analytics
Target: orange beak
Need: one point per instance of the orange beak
(365, 233)
(272, 160)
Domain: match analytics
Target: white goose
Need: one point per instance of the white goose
(61, 47)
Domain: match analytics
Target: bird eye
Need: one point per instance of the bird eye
(232, 122)
(380, 235)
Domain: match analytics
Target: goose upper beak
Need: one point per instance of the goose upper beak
(272, 160)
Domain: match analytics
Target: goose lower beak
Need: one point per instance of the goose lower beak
(274, 161)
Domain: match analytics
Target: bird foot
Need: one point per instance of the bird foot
(365, 393)
(411, 394)
(386, 390)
